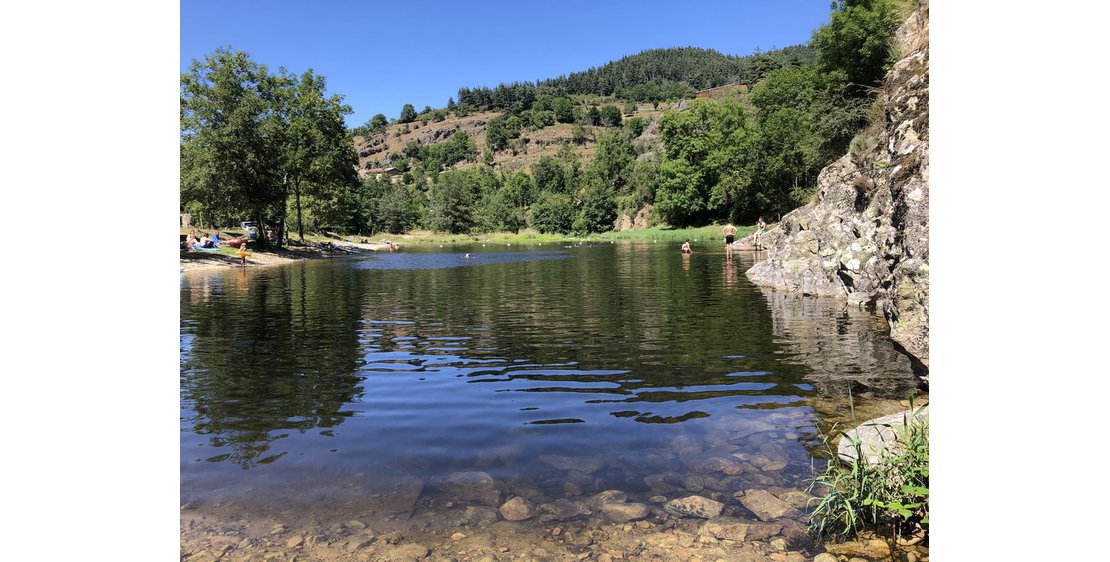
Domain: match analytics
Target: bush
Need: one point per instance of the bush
(890, 494)
(552, 213)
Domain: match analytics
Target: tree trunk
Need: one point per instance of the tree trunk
(300, 223)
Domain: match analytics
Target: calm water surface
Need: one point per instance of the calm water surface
(316, 380)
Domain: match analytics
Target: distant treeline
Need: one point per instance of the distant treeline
(651, 76)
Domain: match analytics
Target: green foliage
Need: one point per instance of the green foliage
(552, 212)
(497, 135)
(564, 110)
(890, 494)
(629, 108)
(594, 116)
(550, 175)
(635, 126)
(679, 197)
(579, 135)
(610, 116)
(597, 210)
(408, 114)
(451, 202)
(612, 163)
(856, 43)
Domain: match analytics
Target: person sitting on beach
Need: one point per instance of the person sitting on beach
(191, 240)
(686, 247)
(216, 238)
(205, 242)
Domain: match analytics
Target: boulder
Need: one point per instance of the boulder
(624, 512)
(517, 509)
(694, 506)
(725, 528)
(765, 505)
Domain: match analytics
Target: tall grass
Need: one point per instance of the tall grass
(891, 495)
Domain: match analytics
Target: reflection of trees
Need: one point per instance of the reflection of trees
(278, 352)
(628, 307)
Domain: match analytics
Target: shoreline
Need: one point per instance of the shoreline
(206, 261)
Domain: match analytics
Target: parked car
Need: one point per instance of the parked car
(250, 227)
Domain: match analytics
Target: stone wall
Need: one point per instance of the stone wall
(866, 236)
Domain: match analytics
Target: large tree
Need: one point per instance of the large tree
(319, 158)
(231, 133)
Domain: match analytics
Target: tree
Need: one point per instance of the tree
(549, 175)
(856, 43)
(450, 104)
(318, 158)
(408, 113)
(231, 136)
(610, 116)
(564, 110)
(612, 163)
(629, 108)
(552, 212)
(451, 203)
(594, 116)
(597, 210)
(378, 123)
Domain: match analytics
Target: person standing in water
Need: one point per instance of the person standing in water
(760, 228)
(730, 235)
(686, 247)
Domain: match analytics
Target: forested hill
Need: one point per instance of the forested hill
(698, 68)
(650, 76)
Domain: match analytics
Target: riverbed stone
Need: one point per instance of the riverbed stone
(410, 552)
(566, 509)
(727, 465)
(725, 528)
(587, 465)
(608, 496)
(694, 506)
(765, 505)
(871, 548)
(624, 512)
(517, 509)
(471, 486)
(825, 557)
(758, 530)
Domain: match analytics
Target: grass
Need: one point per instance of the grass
(891, 495)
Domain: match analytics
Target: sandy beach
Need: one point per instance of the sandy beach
(199, 260)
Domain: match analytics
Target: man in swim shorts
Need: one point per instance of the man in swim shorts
(730, 235)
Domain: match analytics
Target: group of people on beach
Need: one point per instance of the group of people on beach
(191, 242)
(730, 236)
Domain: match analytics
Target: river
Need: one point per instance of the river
(403, 397)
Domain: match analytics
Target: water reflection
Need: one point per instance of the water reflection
(428, 363)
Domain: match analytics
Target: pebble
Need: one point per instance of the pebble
(457, 536)
(294, 542)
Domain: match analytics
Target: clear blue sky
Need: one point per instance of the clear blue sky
(382, 55)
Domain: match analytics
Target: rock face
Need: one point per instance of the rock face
(866, 237)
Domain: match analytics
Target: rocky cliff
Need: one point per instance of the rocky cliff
(866, 235)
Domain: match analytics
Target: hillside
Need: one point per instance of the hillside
(376, 150)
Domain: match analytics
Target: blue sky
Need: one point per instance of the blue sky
(382, 55)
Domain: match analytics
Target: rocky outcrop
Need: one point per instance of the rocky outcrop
(866, 236)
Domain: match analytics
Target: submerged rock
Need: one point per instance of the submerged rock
(624, 512)
(694, 506)
(586, 465)
(517, 509)
(471, 486)
(725, 528)
(765, 505)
